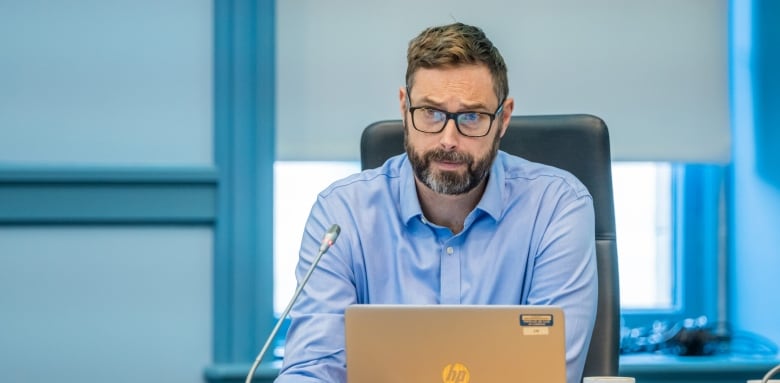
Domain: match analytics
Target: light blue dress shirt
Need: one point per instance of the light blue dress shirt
(530, 240)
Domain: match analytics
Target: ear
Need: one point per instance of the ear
(506, 114)
(402, 100)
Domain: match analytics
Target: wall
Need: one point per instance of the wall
(106, 190)
(755, 210)
(119, 304)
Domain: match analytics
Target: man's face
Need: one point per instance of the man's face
(449, 162)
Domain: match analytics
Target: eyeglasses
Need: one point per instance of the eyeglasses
(431, 120)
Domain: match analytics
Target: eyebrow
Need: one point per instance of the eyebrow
(475, 107)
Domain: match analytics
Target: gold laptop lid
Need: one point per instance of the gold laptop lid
(454, 344)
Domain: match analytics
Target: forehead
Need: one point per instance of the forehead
(469, 83)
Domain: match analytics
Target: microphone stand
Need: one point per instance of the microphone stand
(327, 242)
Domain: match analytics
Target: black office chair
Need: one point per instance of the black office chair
(579, 144)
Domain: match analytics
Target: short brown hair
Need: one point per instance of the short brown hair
(456, 44)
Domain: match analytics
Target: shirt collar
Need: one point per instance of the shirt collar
(410, 202)
(493, 198)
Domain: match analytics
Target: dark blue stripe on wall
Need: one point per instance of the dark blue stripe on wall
(244, 90)
(51, 195)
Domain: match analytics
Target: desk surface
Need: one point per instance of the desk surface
(646, 368)
(651, 368)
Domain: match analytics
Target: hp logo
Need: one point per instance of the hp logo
(455, 373)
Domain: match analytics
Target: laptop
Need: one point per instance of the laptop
(454, 344)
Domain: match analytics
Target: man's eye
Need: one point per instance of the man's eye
(432, 114)
(469, 117)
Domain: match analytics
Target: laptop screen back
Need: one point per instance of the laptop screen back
(454, 344)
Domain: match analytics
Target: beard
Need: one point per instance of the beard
(450, 182)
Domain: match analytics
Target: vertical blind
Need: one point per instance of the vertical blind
(655, 71)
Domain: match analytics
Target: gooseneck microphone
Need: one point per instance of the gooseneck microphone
(327, 242)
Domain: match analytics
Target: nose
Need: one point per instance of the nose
(450, 135)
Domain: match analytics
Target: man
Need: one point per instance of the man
(452, 221)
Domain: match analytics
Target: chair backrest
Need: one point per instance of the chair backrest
(576, 143)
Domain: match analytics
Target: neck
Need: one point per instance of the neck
(448, 210)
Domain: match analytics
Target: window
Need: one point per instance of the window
(292, 201)
(642, 194)
(683, 279)
(645, 215)
(669, 220)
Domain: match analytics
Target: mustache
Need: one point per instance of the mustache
(448, 156)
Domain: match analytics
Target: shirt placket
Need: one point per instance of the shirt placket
(450, 273)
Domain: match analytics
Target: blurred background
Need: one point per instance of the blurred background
(158, 160)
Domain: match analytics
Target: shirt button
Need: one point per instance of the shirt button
(450, 250)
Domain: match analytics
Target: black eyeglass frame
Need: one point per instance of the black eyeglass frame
(450, 116)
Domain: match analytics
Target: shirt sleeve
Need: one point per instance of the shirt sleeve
(314, 349)
(565, 274)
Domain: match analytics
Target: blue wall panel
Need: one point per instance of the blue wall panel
(108, 190)
(105, 304)
(755, 208)
(119, 82)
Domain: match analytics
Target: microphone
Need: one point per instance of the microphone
(329, 238)
(327, 242)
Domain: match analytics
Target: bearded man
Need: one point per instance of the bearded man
(454, 220)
